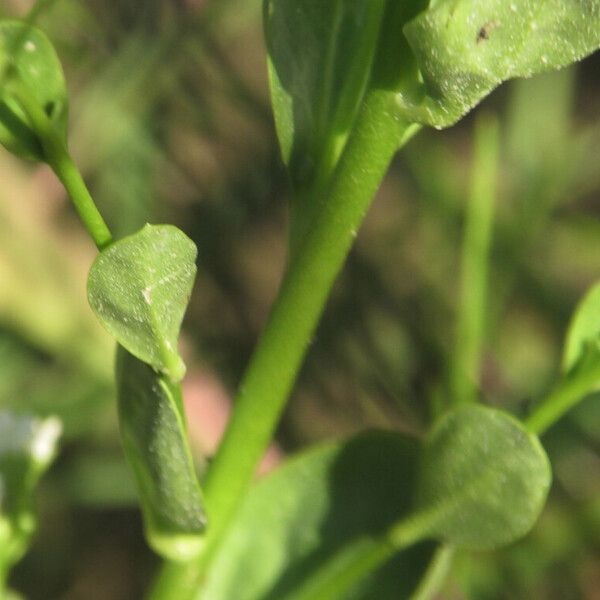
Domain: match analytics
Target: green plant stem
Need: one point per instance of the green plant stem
(466, 366)
(565, 395)
(62, 164)
(436, 574)
(66, 170)
(344, 570)
(353, 563)
(278, 356)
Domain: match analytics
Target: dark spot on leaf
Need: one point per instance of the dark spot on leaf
(484, 33)
(49, 108)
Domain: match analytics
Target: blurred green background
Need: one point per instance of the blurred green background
(170, 122)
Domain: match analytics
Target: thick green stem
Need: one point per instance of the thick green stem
(57, 156)
(466, 365)
(567, 393)
(275, 364)
(278, 356)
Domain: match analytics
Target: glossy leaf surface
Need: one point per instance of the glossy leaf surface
(28, 57)
(154, 435)
(139, 288)
(320, 56)
(466, 48)
(323, 508)
(483, 478)
(584, 329)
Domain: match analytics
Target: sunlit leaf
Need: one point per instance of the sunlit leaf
(466, 48)
(139, 288)
(484, 478)
(154, 435)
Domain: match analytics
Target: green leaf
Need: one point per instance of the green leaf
(28, 58)
(154, 435)
(27, 447)
(320, 56)
(465, 48)
(484, 478)
(584, 330)
(139, 288)
(300, 528)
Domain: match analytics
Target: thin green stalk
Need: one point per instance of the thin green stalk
(344, 570)
(62, 164)
(278, 356)
(567, 393)
(66, 170)
(466, 365)
(356, 561)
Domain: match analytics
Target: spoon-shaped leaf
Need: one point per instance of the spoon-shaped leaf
(484, 478)
(139, 288)
(465, 48)
(154, 435)
(302, 525)
(28, 57)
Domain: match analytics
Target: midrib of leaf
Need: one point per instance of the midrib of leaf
(355, 561)
(177, 411)
(330, 144)
(324, 102)
(168, 353)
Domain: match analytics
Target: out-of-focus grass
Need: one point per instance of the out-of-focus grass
(170, 122)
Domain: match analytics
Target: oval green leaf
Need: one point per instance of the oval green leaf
(28, 57)
(584, 330)
(306, 527)
(154, 436)
(483, 478)
(466, 48)
(320, 56)
(139, 288)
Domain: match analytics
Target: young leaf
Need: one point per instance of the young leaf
(465, 48)
(326, 507)
(154, 435)
(484, 478)
(584, 329)
(27, 447)
(320, 56)
(139, 288)
(28, 58)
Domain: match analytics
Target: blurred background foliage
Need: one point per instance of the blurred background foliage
(170, 122)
